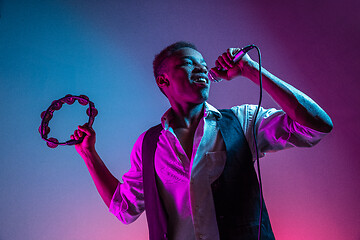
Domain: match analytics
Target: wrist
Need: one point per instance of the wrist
(251, 70)
(88, 153)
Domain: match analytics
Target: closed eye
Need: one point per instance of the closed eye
(187, 63)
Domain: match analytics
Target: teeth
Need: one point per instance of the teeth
(200, 80)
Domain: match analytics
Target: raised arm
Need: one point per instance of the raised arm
(104, 181)
(298, 106)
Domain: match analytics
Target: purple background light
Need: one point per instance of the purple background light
(104, 49)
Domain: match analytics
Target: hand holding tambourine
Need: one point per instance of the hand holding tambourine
(47, 115)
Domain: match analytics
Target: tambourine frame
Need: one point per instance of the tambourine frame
(56, 105)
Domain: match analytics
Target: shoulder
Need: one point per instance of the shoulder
(246, 115)
(250, 109)
(153, 131)
(247, 112)
(244, 110)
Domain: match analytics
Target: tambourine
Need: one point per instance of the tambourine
(47, 115)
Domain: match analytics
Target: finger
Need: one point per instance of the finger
(78, 134)
(228, 60)
(75, 136)
(72, 137)
(223, 64)
(228, 52)
(218, 65)
(85, 128)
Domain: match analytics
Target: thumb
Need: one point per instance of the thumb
(85, 128)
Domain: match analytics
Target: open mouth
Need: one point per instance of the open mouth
(201, 80)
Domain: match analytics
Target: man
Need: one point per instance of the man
(193, 174)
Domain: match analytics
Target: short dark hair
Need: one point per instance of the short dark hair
(167, 52)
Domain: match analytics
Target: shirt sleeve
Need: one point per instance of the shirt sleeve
(127, 203)
(275, 130)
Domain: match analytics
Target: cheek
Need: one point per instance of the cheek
(182, 74)
(181, 79)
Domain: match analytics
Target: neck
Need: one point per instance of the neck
(187, 115)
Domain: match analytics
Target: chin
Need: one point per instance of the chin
(203, 99)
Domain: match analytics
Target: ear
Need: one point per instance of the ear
(162, 81)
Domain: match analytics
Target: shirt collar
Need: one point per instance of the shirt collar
(209, 112)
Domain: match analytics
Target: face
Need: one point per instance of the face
(185, 76)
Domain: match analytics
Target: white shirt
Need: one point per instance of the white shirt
(185, 184)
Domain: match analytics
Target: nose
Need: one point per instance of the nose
(201, 68)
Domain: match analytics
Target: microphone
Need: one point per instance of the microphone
(237, 58)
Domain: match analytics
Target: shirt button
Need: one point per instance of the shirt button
(201, 236)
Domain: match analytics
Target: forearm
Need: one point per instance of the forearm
(104, 181)
(296, 104)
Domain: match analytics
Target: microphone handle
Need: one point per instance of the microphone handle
(242, 52)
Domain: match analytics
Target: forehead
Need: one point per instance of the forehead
(187, 53)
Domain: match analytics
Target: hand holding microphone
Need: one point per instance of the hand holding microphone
(227, 65)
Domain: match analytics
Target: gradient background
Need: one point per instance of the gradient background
(104, 49)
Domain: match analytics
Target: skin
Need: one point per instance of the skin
(187, 96)
(104, 181)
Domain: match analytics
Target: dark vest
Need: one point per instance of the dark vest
(235, 192)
